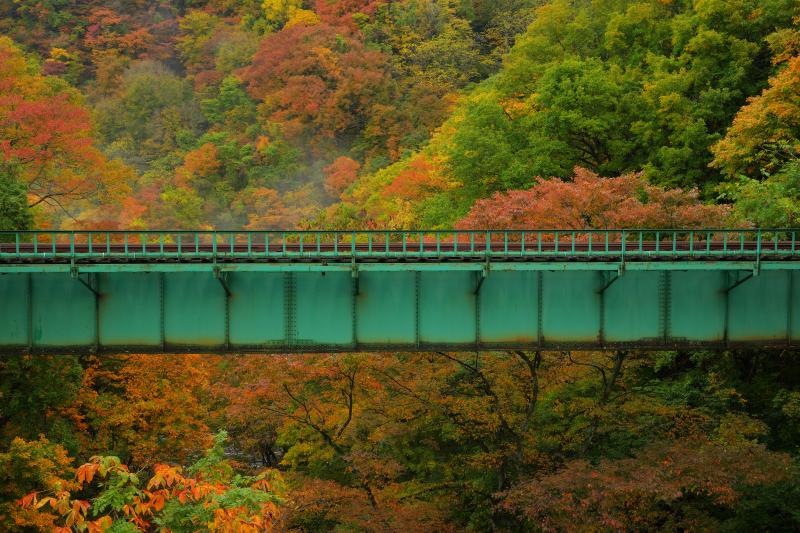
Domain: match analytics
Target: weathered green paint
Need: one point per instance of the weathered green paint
(381, 295)
(131, 295)
(257, 309)
(517, 293)
(404, 310)
(14, 303)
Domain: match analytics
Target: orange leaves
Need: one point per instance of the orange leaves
(202, 163)
(754, 141)
(318, 81)
(164, 475)
(28, 500)
(340, 174)
(99, 525)
(420, 179)
(237, 519)
(46, 130)
(628, 492)
(86, 472)
(591, 201)
(268, 209)
(150, 406)
(256, 511)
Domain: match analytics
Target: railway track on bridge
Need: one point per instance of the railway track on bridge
(392, 246)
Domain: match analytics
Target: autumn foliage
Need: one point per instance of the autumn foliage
(340, 174)
(46, 132)
(212, 499)
(590, 201)
(317, 81)
(351, 114)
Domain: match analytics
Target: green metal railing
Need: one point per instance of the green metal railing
(535, 243)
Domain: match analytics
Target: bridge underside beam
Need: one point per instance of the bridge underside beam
(397, 307)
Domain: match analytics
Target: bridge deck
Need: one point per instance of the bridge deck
(110, 292)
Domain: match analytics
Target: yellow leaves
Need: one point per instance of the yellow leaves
(515, 108)
(52, 502)
(279, 11)
(737, 428)
(77, 513)
(154, 414)
(61, 54)
(303, 17)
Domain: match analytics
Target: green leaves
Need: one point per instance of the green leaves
(14, 212)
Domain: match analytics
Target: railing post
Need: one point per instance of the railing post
(758, 246)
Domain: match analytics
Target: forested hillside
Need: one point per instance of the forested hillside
(350, 114)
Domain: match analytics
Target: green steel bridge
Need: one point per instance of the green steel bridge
(335, 291)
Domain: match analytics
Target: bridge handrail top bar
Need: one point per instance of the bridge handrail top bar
(384, 231)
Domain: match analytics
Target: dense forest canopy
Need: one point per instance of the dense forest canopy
(149, 114)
